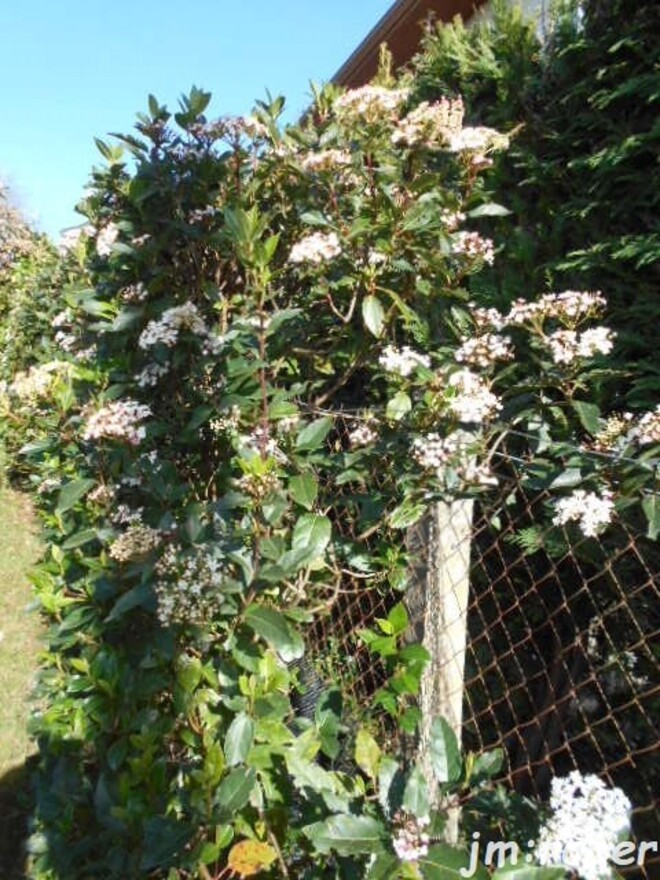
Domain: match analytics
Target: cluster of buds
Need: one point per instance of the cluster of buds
(411, 840)
(135, 545)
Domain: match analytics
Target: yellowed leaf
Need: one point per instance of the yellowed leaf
(249, 857)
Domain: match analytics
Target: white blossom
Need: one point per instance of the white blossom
(471, 400)
(474, 246)
(593, 512)
(189, 584)
(151, 375)
(411, 841)
(362, 435)
(458, 449)
(119, 420)
(325, 160)
(648, 429)
(567, 345)
(570, 307)
(430, 124)
(483, 351)
(105, 239)
(369, 103)
(402, 361)
(477, 139)
(166, 329)
(62, 318)
(587, 821)
(315, 248)
(38, 381)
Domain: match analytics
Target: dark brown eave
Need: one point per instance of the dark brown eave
(401, 28)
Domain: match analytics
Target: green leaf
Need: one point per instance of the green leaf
(588, 414)
(373, 314)
(367, 753)
(416, 794)
(406, 514)
(490, 209)
(347, 835)
(651, 508)
(138, 596)
(235, 790)
(445, 862)
(71, 493)
(487, 764)
(164, 838)
(444, 752)
(398, 619)
(304, 490)
(528, 872)
(312, 534)
(275, 629)
(239, 739)
(79, 539)
(398, 406)
(312, 436)
(391, 784)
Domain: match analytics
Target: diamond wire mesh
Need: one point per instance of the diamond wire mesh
(561, 664)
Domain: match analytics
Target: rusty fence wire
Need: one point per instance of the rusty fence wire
(561, 666)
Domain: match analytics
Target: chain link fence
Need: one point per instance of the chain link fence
(559, 666)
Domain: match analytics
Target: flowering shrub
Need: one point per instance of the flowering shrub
(251, 287)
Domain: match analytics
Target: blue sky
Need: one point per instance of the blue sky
(75, 69)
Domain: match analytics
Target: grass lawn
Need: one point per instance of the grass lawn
(19, 646)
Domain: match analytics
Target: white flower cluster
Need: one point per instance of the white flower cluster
(105, 239)
(433, 453)
(587, 820)
(476, 140)
(483, 351)
(227, 421)
(326, 160)
(315, 248)
(430, 124)
(103, 494)
(70, 238)
(488, 319)
(402, 360)
(473, 246)
(38, 381)
(362, 434)
(135, 293)
(570, 306)
(648, 429)
(593, 512)
(452, 219)
(472, 400)
(126, 516)
(615, 427)
(66, 341)
(151, 375)
(411, 841)
(165, 330)
(137, 542)
(567, 345)
(369, 103)
(189, 584)
(119, 420)
(62, 318)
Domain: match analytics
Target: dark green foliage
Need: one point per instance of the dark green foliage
(578, 177)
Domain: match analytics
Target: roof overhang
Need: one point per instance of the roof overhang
(401, 28)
